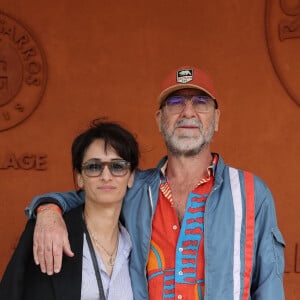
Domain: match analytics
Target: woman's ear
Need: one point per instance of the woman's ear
(80, 181)
(131, 180)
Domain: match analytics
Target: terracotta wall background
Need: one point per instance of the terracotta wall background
(107, 58)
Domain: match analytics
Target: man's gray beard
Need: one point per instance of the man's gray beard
(177, 145)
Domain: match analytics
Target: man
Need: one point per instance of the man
(199, 227)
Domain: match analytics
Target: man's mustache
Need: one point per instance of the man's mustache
(188, 122)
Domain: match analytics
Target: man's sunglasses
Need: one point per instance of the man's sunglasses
(201, 104)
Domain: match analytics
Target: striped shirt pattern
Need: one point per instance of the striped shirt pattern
(176, 259)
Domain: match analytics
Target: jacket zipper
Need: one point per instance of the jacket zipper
(152, 215)
(205, 242)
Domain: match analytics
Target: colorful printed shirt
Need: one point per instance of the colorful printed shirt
(176, 259)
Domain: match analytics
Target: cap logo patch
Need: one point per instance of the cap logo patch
(184, 76)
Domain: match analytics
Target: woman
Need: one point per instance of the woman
(104, 159)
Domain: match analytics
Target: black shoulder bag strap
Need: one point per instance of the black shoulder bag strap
(95, 263)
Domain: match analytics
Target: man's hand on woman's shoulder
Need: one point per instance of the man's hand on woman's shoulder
(50, 240)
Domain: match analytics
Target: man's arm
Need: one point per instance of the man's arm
(66, 201)
(268, 268)
(50, 237)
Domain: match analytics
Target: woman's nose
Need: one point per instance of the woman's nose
(106, 174)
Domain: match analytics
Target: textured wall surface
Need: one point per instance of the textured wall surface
(107, 58)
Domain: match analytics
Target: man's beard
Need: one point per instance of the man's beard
(187, 144)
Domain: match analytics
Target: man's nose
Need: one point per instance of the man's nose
(189, 110)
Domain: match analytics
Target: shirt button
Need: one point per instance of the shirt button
(180, 273)
(179, 296)
(174, 227)
(180, 249)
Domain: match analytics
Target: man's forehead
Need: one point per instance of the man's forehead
(189, 91)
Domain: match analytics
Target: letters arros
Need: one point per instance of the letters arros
(24, 161)
(23, 72)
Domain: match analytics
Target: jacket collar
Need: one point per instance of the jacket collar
(218, 172)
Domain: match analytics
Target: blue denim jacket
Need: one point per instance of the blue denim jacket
(137, 213)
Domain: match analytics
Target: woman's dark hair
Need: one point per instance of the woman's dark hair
(121, 140)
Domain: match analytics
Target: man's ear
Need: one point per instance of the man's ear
(158, 119)
(131, 180)
(217, 119)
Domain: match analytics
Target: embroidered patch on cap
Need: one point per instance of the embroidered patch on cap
(185, 75)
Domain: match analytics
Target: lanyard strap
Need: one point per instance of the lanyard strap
(95, 263)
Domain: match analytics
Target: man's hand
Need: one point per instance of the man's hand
(50, 240)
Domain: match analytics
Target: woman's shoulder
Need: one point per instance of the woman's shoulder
(74, 214)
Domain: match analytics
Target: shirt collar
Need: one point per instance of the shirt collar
(211, 170)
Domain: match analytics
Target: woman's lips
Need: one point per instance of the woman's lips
(106, 187)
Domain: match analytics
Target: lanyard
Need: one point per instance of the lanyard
(95, 264)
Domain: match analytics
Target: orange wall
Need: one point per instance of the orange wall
(107, 58)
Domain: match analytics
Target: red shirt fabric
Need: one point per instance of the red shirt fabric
(175, 267)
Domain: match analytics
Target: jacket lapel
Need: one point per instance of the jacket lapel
(67, 283)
